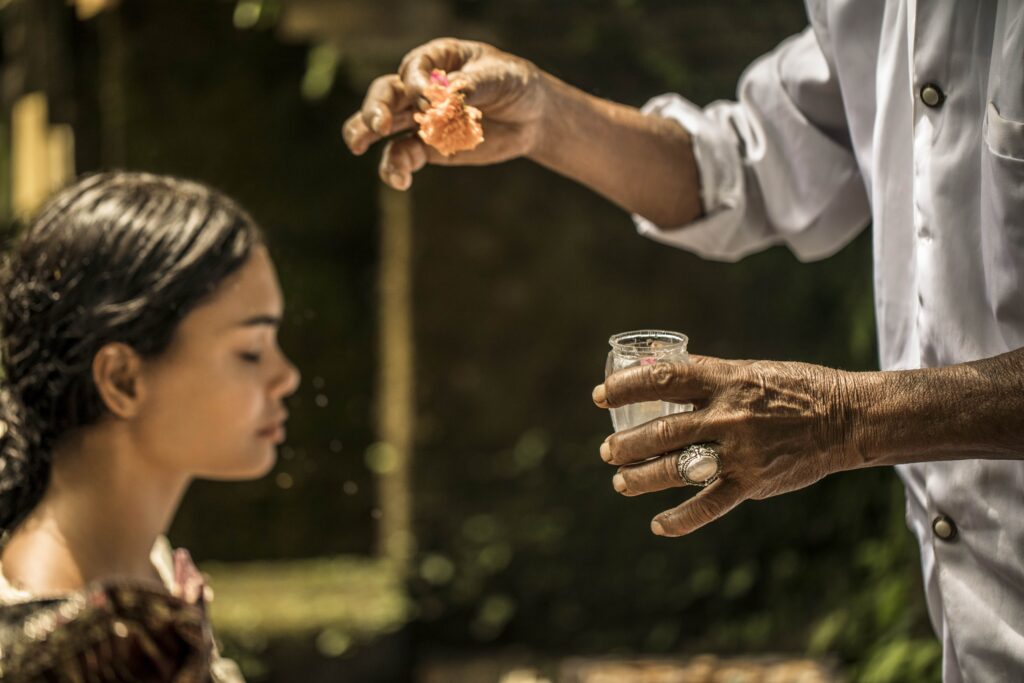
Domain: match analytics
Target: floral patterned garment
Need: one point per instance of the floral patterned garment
(114, 631)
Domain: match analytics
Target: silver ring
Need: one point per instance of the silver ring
(699, 464)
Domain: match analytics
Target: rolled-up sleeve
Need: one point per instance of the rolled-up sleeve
(776, 166)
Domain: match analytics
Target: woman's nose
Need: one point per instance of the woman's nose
(289, 379)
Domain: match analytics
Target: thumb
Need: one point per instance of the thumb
(705, 507)
(486, 83)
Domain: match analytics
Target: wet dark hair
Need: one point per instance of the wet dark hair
(115, 257)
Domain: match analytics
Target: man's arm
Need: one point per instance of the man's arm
(970, 410)
(775, 166)
(645, 164)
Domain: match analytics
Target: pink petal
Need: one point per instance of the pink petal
(439, 77)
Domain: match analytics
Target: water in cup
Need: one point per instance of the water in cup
(645, 347)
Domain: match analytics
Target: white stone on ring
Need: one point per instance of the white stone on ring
(699, 464)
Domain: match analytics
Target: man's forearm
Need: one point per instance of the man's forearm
(970, 410)
(645, 164)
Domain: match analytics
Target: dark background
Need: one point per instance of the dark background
(520, 276)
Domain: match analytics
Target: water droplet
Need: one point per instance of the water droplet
(350, 488)
(284, 480)
(318, 382)
(321, 400)
(335, 446)
(377, 513)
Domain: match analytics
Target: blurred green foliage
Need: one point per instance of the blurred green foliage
(338, 604)
(520, 277)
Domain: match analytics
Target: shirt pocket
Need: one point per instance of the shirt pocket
(1002, 222)
(1004, 138)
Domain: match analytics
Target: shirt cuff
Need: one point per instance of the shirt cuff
(722, 194)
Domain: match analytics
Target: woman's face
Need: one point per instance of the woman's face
(214, 400)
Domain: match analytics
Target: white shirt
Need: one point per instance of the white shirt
(838, 127)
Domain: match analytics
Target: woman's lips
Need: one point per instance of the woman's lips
(275, 432)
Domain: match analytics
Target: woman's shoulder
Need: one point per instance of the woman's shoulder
(105, 632)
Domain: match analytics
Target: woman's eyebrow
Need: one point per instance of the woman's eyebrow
(271, 320)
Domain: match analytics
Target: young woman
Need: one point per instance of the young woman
(139, 316)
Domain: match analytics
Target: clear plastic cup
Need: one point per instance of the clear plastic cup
(645, 347)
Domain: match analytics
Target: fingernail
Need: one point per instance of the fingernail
(376, 122)
(656, 528)
(397, 181)
(606, 451)
(599, 396)
(619, 482)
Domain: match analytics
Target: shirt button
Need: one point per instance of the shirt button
(931, 95)
(944, 528)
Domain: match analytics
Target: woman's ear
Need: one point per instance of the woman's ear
(116, 371)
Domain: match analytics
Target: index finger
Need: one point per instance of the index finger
(386, 98)
(447, 54)
(386, 109)
(675, 382)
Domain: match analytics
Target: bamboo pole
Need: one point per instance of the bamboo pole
(42, 156)
(396, 380)
(30, 175)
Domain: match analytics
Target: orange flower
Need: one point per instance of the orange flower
(449, 125)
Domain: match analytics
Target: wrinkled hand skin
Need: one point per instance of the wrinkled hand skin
(777, 426)
(510, 90)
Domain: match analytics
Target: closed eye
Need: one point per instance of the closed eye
(250, 357)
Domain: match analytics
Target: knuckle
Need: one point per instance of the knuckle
(613, 449)
(662, 433)
(748, 396)
(402, 148)
(704, 425)
(648, 477)
(711, 508)
(351, 126)
(421, 50)
(348, 132)
(381, 83)
(732, 420)
(432, 50)
(699, 514)
(667, 471)
(662, 375)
